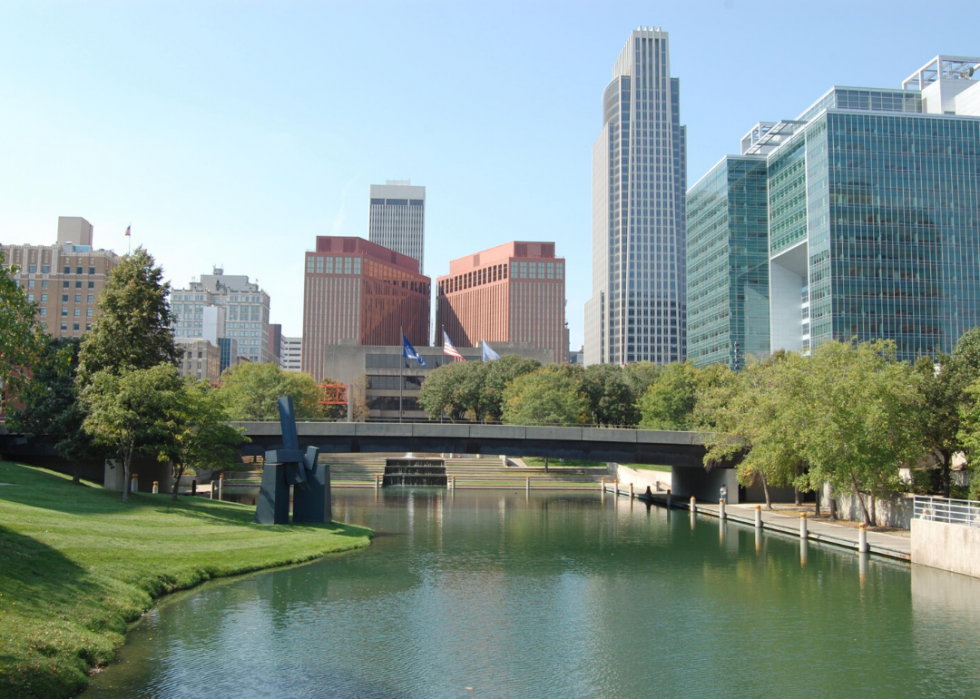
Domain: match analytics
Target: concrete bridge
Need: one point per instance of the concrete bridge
(684, 449)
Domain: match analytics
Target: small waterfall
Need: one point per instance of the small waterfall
(414, 470)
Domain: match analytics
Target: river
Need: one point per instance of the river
(495, 594)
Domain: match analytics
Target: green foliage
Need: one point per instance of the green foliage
(754, 414)
(132, 412)
(252, 392)
(668, 403)
(201, 438)
(860, 418)
(610, 394)
(551, 395)
(78, 566)
(943, 386)
(51, 407)
(640, 375)
(21, 336)
(133, 328)
(472, 389)
(969, 434)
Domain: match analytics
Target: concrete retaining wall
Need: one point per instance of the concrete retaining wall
(891, 509)
(951, 547)
(704, 485)
(640, 478)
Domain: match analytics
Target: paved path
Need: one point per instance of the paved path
(891, 545)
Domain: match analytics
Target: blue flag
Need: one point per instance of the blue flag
(488, 354)
(409, 352)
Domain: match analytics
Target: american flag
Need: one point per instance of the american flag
(449, 348)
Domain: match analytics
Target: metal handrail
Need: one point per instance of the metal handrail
(949, 510)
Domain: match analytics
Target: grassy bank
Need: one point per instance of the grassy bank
(77, 565)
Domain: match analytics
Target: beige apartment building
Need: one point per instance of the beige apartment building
(64, 279)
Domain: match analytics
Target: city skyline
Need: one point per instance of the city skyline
(159, 136)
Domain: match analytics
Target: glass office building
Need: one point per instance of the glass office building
(639, 178)
(873, 214)
(728, 263)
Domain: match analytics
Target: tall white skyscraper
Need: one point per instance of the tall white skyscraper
(397, 219)
(638, 309)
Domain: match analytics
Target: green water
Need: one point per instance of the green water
(559, 595)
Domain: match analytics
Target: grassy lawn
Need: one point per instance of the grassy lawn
(648, 467)
(77, 565)
(538, 462)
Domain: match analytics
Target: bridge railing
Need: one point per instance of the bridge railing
(948, 510)
(421, 421)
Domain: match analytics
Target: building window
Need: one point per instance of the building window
(65, 285)
(30, 283)
(319, 265)
(44, 283)
(78, 285)
(88, 326)
(88, 312)
(67, 270)
(90, 298)
(329, 265)
(44, 298)
(78, 312)
(32, 269)
(44, 312)
(309, 264)
(91, 270)
(78, 270)
(78, 298)
(91, 285)
(30, 297)
(64, 326)
(45, 269)
(64, 298)
(74, 326)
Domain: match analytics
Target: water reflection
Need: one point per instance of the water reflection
(557, 594)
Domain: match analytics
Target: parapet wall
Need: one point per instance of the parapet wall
(951, 547)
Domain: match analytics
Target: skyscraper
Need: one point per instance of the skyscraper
(510, 293)
(359, 293)
(397, 218)
(871, 223)
(638, 309)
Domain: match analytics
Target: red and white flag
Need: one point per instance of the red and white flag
(449, 348)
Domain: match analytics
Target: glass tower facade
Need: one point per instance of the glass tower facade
(728, 263)
(873, 218)
(638, 309)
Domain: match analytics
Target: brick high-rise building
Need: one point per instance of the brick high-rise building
(511, 293)
(65, 279)
(360, 293)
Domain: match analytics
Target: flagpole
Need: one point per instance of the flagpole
(401, 373)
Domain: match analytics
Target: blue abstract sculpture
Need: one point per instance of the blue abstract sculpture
(287, 468)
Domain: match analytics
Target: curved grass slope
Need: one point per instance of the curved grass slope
(77, 565)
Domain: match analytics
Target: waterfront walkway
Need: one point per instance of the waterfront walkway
(819, 530)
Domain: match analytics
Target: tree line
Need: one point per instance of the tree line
(117, 392)
(849, 414)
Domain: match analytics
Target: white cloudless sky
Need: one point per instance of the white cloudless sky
(233, 133)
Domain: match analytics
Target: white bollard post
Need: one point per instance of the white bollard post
(527, 486)
(694, 504)
(454, 484)
(377, 481)
(804, 534)
(616, 487)
(758, 516)
(721, 508)
(631, 491)
(668, 499)
(221, 486)
(602, 484)
(156, 486)
(134, 486)
(863, 538)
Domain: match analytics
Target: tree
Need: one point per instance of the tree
(252, 392)
(454, 390)
(133, 330)
(51, 406)
(640, 375)
(753, 414)
(943, 399)
(611, 397)
(357, 395)
(133, 412)
(201, 437)
(21, 337)
(863, 418)
(668, 403)
(498, 374)
(550, 395)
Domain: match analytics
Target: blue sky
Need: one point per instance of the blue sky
(233, 133)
